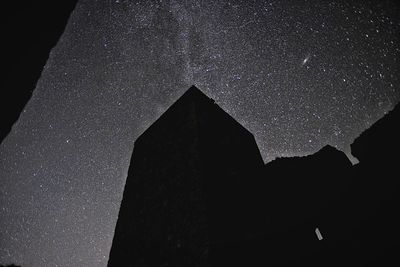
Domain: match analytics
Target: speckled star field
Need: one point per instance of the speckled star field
(297, 74)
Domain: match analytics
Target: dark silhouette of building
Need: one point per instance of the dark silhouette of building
(187, 188)
(377, 185)
(199, 194)
(300, 195)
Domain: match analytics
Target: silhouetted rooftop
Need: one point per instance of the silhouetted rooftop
(188, 186)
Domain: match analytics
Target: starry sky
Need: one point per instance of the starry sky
(298, 74)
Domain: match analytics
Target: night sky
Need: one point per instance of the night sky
(297, 74)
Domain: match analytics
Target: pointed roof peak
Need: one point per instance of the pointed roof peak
(192, 96)
(194, 89)
(198, 104)
(195, 93)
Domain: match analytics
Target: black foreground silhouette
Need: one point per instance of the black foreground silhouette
(199, 194)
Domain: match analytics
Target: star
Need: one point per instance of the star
(298, 76)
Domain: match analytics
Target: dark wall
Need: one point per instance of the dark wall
(185, 187)
(29, 29)
(266, 214)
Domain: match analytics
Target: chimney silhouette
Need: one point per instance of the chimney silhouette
(189, 187)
